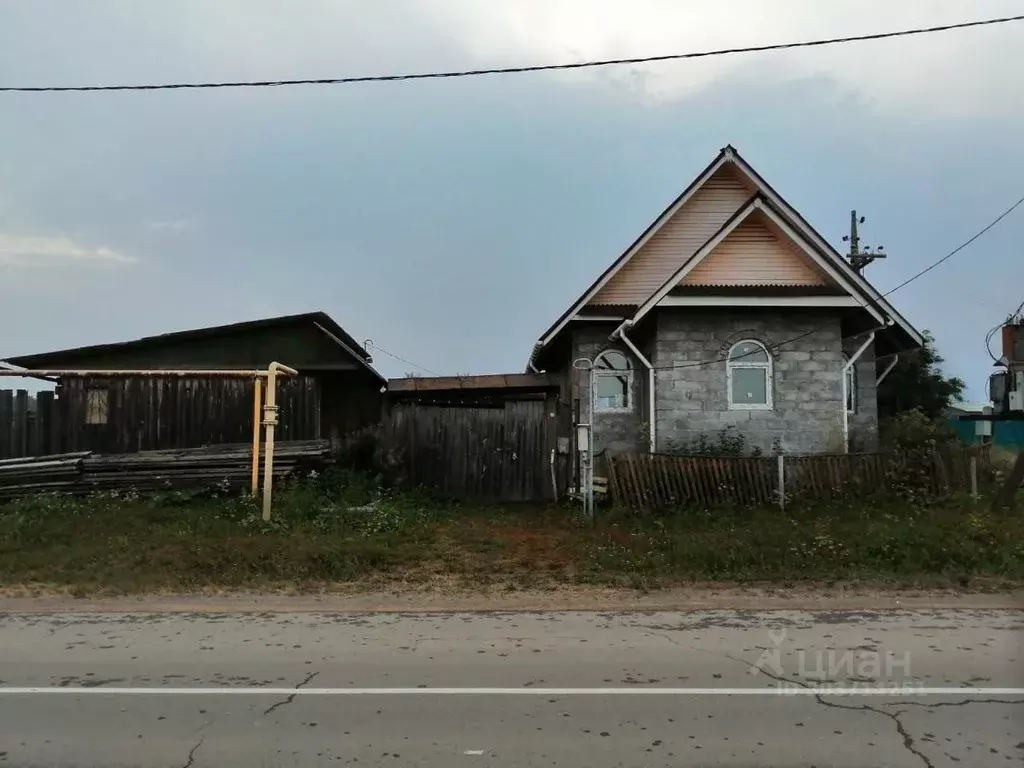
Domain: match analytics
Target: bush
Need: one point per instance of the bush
(914, 431)
(915, 443)
(726, 443)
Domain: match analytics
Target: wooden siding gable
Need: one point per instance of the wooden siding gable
(759, 209)
(678, 238)
(755, 255)
(666, 250)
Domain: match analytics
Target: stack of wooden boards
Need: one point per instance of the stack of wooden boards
(212, 466)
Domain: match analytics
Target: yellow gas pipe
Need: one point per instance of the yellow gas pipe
(270, 423)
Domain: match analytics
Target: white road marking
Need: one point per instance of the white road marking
(473, 752)
(781, 690)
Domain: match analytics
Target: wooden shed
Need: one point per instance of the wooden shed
(336, 392)
(492, 437)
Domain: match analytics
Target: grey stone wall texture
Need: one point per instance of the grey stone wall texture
(614, 432)
(692, 400)
(806, 378)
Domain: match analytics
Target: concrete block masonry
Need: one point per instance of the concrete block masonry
(692, 400)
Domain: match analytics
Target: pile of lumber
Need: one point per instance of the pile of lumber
(217, 466)
(40, 474)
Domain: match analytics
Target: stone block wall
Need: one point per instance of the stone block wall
(613, 431)
(806, 378)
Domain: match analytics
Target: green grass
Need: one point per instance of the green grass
(341, 530)
(953, 542)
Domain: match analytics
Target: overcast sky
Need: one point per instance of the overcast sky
(451, 221)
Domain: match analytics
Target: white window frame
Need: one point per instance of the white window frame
(598, 374)
(767, 367)
(850, 374)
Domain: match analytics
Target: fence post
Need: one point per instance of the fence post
(782, 481)
(6, 423)
(974, 477)
(20, 429)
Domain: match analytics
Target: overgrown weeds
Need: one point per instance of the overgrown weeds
(953, 541)
(341, 527)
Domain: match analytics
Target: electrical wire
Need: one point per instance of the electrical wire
(368, 344)
(906, 282)
(517, 70)
(1009, 319)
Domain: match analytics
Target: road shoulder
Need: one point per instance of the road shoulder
(696, 598)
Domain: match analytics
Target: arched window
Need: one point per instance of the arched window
(613, 382)
(749, 374)
(850, 374)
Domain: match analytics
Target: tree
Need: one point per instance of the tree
(917, 382)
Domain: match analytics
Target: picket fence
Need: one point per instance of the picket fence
(648, 482)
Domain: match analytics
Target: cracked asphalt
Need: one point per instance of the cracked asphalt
(362, 689)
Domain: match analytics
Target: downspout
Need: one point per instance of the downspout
(620, 333)
(846, 369)
(888, 369)
(270, 421)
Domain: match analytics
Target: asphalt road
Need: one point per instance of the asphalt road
(931, 688)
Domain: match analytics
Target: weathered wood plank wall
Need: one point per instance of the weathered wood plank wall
(27, 430)
(494, 454)
(144, 414)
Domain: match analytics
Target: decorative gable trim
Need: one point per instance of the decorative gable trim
(824, 247)
(723, 157)
(757, 204)
(784, 215)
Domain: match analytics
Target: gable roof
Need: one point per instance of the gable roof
(770, 200)
(758, 204)
(320, 320)
(756, 253)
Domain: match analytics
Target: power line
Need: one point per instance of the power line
(988, 336)
(953, 253)
(906, 282)
(519, 70)
(368, 344)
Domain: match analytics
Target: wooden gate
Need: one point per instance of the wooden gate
(494, 454)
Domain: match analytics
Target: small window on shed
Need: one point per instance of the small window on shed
(97, 405)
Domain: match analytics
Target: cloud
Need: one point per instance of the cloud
(55, 252)
(956, 73)
(171, 225)
(952, 72)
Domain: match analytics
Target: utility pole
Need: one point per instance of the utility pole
(858, 258)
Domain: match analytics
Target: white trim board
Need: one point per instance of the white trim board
(730, 155)
(723, 158)
(754, 206)
(775, 199)
(758, 301)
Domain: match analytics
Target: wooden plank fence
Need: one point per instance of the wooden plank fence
(496, 454)
(649, 482)
(28, 425)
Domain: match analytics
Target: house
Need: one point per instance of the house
(336, 392)
(730, 310)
